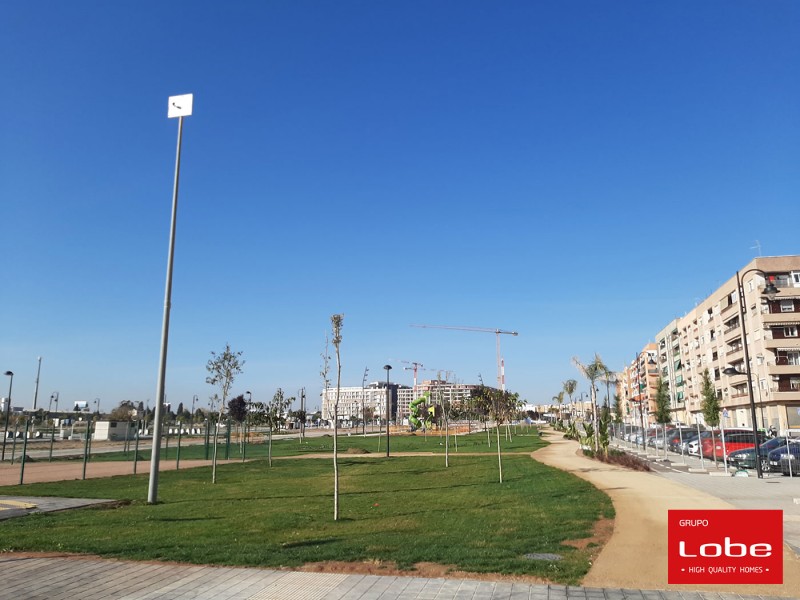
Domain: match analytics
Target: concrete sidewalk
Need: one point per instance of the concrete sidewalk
(68, 578)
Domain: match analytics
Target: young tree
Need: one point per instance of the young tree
(617, 410)
(274, 415)
(237, 410)
(501, 407)
(592, 371)
(336, 324)
(559, 400)
(710, 407)
(223, 369)
(663, 414)
(570, 385)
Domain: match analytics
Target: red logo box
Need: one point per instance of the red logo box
(725, 546)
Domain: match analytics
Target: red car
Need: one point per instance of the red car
(735, 439)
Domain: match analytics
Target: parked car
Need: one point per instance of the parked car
(630, 436)
(649, 434)
(784, 458)
(745, 458)
(729, 441)
(693, 446)
(675, 436)
(662, 436)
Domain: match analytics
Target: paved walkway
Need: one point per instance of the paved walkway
(35, 578)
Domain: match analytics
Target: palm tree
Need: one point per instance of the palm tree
(593, 371)
(559, 399)
(570, 385)
(609, 377)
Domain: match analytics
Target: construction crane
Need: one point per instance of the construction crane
(415, 366)
(501, 375)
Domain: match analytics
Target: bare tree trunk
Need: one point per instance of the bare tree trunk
(336, 437)
(269, 450)
(214, 459)
(446, 440)
(336, 460)
(499, 459)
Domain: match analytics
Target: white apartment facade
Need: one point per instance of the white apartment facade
(712, 336)
(355, 402)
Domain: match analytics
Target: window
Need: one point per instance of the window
(762, 383)
(787, 306)
(790, 331)
(793, 358)
(796, 277)
(794, 383)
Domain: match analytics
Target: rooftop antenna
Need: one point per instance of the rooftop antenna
(757, 247)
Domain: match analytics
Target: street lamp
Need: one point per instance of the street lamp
(363, 401)
(194, 399)
(180, 107)
(388, 407)
(770, 291)
(53, 398)
(8, 408)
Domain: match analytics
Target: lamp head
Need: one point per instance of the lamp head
(770, 291)
(387, 367)
(732, 371)
(9, 373)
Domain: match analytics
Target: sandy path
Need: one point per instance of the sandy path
(37, 472)
(636, 555)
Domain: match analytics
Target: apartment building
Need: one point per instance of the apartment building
(355, 402)
(445, 391)
(636, 386)
(713, 336)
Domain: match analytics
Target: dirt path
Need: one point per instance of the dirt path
(64, 470)
(636, 555)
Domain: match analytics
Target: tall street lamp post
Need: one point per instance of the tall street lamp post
(53, 398)
(36, 388)
(8, 408)
(388, 407)
(194, 399)
(179, 106)
(363, 402)
(770, 291)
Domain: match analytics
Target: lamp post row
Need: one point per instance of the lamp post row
(770, 291)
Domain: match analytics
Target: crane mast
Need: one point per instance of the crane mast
(501, 376)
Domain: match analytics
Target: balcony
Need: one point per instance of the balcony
(731, 333)
(734, 354)
(789, 344)
(737, 380)
(779, 318)
(783, 369)
(728, 308)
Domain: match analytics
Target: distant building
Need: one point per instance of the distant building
(710, 337)
(355, 402)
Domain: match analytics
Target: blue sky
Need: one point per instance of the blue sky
(580, 171)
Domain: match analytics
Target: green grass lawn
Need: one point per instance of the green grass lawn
(404, 510)
(524, 440)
